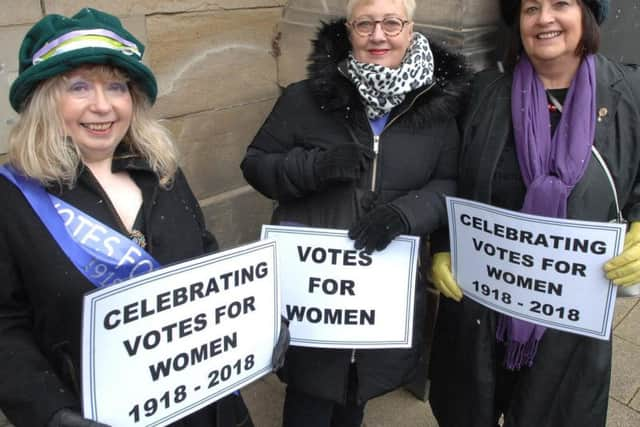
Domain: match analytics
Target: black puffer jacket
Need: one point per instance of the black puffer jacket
(41, 291)
(416, 166)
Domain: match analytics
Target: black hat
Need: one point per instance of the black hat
(509, 9)
(57, 44)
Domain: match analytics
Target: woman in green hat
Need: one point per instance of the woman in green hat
(84, 140)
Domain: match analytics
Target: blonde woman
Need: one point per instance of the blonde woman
(84, 141)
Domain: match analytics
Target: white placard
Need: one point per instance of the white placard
(161, 346)
(544, 270)
(338, 297)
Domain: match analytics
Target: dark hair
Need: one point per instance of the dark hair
(589, 42)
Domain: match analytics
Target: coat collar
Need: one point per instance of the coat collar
(334, 91)
(124, 159)
(608, 93)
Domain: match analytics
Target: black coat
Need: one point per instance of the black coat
(568, 384)
(41, 291)
(416, 167)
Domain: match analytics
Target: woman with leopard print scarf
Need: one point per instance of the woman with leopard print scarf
(367, 143)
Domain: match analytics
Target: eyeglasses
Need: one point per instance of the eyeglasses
(390, 26)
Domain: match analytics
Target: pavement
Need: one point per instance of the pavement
(401, 409)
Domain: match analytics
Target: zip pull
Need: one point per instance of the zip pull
(353, 355)
(374, 168)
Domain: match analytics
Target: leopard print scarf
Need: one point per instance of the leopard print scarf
(383, 88)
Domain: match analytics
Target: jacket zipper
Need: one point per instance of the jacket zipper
(374, 169)
(376, 149)
(376, 138)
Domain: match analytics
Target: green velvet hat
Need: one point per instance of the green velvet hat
(57, 44)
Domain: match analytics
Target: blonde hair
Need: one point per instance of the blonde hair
(409, 7)
(39, 147)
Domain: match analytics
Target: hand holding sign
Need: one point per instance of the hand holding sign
(338, 297)
(443, 277)
(542, 270)
(378, 228)
(180, 337)
(624, 269)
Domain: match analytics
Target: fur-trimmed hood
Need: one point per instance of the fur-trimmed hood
(334, 91)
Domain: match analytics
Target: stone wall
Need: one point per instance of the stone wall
(217, 77)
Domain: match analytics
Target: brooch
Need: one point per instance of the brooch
(138, 238)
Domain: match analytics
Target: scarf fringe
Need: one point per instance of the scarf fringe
(517, 354)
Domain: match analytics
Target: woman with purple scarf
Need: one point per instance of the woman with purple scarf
(529, 136)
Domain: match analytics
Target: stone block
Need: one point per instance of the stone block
(294, 43)
(628, 327)
(297, 28)
(623, 308)
(447, 14)
(10, 39)
(208, 61)
(236, 217)
(212, 145)
(635, 404)
(147, 7)
(625, 375)
(620, 415)
(20, 12)
(384, 411)
(265, 398)
(303, 8)
(479, 13)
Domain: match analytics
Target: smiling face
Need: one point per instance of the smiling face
(379, 48)
(96, 109)
(551, 30)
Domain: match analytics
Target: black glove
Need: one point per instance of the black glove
(67, 418)
(344, 162)
(279, 351)
(368, 200)
(378, 228)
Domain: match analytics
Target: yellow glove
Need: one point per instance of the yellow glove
(443, 278)
(624, 269)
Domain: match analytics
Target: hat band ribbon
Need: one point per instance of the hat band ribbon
(82, 39)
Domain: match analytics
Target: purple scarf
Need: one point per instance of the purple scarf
(550, 167)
